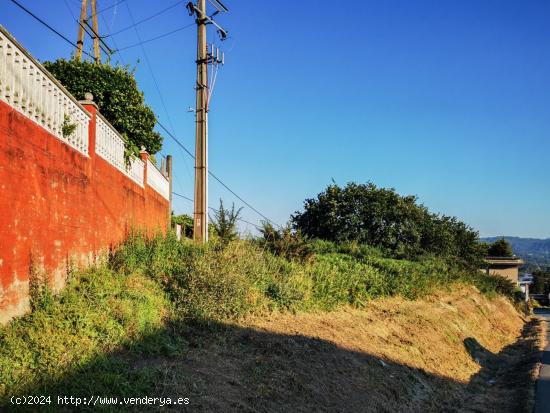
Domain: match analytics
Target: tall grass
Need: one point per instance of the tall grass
(215, 281)
(98, 312)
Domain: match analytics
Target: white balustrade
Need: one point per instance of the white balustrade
(135, 170)
(110, 146)
(31, 90)
(157, 180)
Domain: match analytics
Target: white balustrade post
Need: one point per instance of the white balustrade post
(9, 70)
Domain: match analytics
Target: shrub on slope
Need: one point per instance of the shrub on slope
(217, 282)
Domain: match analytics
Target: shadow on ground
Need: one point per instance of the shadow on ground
(223, 367)
(542, 404)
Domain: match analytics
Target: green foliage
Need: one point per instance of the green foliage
(495, 284)
(382, 218)
(225, 222)
(67, 128)
(116, 93)
(97, 313)
(285, 242)
(541, 282)
(186, 223)
(208, 282)
(500, 248)
(40, 294)
(359, 251)
(535, 252)
(205, 282)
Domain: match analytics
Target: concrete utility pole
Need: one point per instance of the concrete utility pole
(204, 57)
(200, 226)
(169, 176)
(80, 41)
(83, 21)
(97, 52)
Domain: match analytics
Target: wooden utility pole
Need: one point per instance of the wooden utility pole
(200, 226)
(80, 41)
(81, 29)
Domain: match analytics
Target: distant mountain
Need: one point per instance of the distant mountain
(533, 251)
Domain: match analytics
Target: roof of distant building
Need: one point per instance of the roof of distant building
(515, 261)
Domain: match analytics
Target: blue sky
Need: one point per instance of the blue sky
(448, 100)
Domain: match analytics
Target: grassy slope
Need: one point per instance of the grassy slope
(237, 328)
(456, 351)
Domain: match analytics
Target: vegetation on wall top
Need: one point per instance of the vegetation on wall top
(117, 96)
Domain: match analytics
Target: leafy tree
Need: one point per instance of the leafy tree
(117, 96)
(225, 222)
(500, 248)
(362, 213)
(541, 282)
(382, 218)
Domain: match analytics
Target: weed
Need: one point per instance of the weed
(67, 127)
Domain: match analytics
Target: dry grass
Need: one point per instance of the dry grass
(456, 351)
(425, 334)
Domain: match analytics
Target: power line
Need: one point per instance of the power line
(216, 178)
(145, 19)
(183, 196)
(30, 13)
(111, 6)
(141, 43)
(242, 200)
(148, 62)
(178, 183)
(69, 8)
(113, 40)
(175, 139)
(150, 68)
(216, 210)
(95, 35)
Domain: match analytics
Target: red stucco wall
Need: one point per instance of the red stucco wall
(58, 206)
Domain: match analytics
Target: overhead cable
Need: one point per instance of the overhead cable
(216, 178)
(110, 7)
(30, 13)
(142, 42)
(145, 19)
(216, 210)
